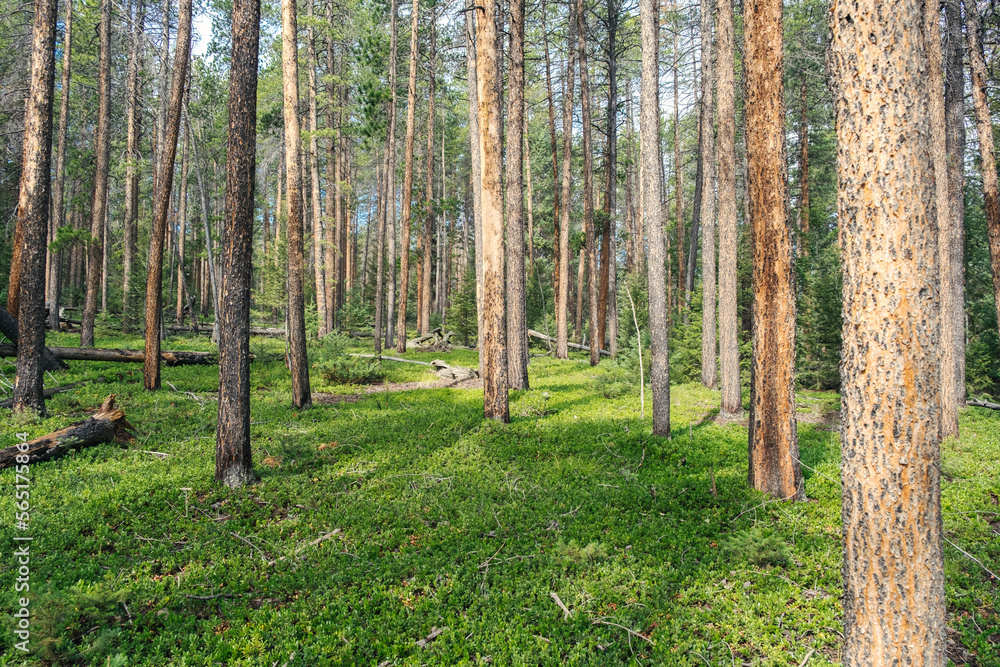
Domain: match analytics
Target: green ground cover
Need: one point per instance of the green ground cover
(380, 521)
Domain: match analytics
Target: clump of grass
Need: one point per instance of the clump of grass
(757, 548)
(572, 553)
(531, 404)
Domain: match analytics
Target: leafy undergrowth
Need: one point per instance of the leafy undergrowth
(378, 523)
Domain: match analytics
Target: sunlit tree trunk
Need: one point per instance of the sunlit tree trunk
(404, 251)
(709, 374)
(161, 200)
(492, 335)
(952, 228)
(556, 211)
(517, 324)
(329, 212)
(562, 291)
(729, 355)
(476, 159)
(324, 310)
(233, 462)
(387, 222)
(390, 207)
(679, 176)
(33, 212)
(649, 127)
(53, 292)
(774, 444)
(99, 206)
(894, 595)
(428, 232)
(132, 171)
(299, 362)
(588, 188)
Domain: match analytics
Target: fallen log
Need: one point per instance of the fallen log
(575, 346)
(170, 358)
(109, 424)
(206, 328)
(400, 359)
(983, 404)
(441, 368)
(8, 327)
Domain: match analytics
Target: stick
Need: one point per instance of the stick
(405, 361)
(555, 598)
(601, 621)
(575, 346)
(638, 336)
(806, 659)
(984, 404)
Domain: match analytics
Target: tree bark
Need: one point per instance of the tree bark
(562, 291)
(556, 210)
(233, 461)
(181, 233)
(517, 318)
(709, 374)
(491, 335)
(984, 130)
(649, 126)
(102, 148)
(773, 443)
(388, 224)
(476, 159)
(301, 394)
(952, 228)
(53, 293)
(679, 175)
(404, 251)
(9, 328)
(33, 211)
(428, 232)
(109, 424)
(330, 209)
(161, 200)
(588, 186)
(729, 355)
(894, 596)
(133, 158)
(323, 308)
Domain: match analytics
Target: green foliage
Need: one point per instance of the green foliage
(819, 320)
(78, 624)
(336, 366)
(461, 315)
(757, 548)
(571, 553)
(357, 312)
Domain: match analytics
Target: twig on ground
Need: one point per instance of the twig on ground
(211, 597)
(429, 638)
(633, 633)
(806, 659)
(973, 558)
(259, 550)
(555, 598)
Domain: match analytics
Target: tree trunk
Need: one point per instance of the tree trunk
(33, 211)
(803, 214)
(556, 211)
(530, 198)
(952, 229)
(404, 251)
(729, 354)
(679, 174)
(181, 233)
(133, 158)
(649, 126)
(206, 227)
(774, 445)
(161, 200)
(588, 187)
(476, 159)
(233, 462)
(894, 596)
(8, 327)
(388, 224)
(301, 394)
(323, 308)
(428, 231)
(163, 83)
(492, 334)
(709, 374)
(330, 208)
(53, 292)
(562, 289)
(517, 317)
(102, 148)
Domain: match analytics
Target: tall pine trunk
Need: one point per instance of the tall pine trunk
(562, 291)
(588, 187)
(404, 251)
(161, 200)
(233, 462)
(323, 308)
(517, 322)
(53, 292)
(298, 358)
(649, 127)
(33, 212)
(894, 595)
(132, 157)
(773, 442)
(709, 374)
(729, 355)
(492, 334)
(428, 230)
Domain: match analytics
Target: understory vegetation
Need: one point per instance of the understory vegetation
(401, 528)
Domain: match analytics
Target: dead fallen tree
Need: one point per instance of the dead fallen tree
(8, 327)
(108, 425)
(983, 404)
(206, 329)
(441, 368)
(575, 346)
(170, 358)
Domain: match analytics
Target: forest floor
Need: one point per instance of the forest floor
(400, 528)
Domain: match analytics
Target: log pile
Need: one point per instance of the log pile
(108, 425)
